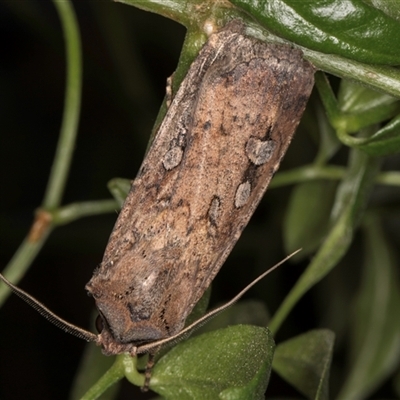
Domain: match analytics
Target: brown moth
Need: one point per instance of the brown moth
(210, 163)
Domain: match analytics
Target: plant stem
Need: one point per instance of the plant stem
(69, 125)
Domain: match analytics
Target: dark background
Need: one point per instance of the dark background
(128, 54)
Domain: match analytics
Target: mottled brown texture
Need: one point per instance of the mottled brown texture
(211, 161)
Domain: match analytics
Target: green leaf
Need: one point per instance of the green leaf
(385, 141)
(329, 144)
(361, 107)
(350, 28)
(304, 362)
(376, 322)
(307, 219)
(354, 98)
(221, 364)
(389, 7)
(255, 389)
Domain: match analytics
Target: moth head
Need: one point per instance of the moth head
(122, 323)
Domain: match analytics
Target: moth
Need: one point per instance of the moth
(211, 161)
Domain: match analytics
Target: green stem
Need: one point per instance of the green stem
(176, 10)
(69, 125)
(314, 172)
(382, 78)
(124, 366)
(20, 262)
(130, 370)
(30, 248)
(389, 178)
(307, 173)
(112, 376)
(74, 211)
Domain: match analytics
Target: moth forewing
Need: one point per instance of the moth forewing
(209, 165)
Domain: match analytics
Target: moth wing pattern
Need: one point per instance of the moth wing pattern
(209, 165)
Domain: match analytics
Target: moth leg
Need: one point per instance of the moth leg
(147, 372)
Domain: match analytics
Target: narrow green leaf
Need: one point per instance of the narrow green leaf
(327, 95)
(307, 219)
(206, 365)
(354, 98)
(376, 322)
(385, 141)
(304, 362)
(361, 107)
(329, 143)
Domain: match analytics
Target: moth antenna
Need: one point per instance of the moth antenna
(205, 318)
(49, 315)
